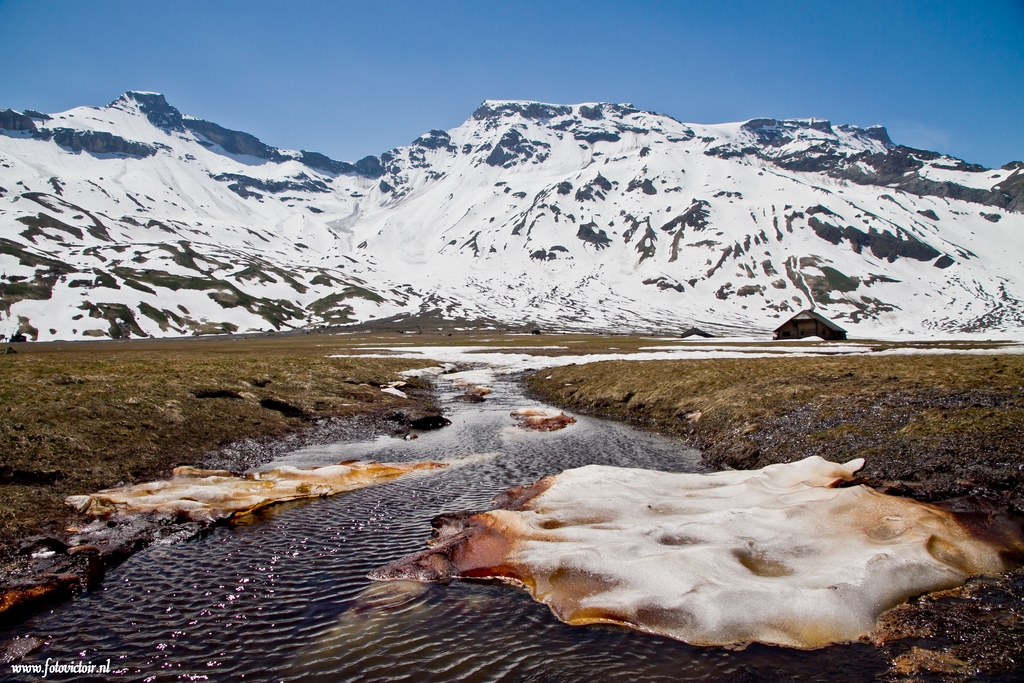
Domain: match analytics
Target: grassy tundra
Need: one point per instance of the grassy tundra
(934, 424)
(78, 418)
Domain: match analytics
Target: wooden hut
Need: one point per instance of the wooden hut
(809, 324)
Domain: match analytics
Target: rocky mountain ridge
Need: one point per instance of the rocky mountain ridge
(134, 219)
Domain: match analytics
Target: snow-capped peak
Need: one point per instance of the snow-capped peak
(136, 219)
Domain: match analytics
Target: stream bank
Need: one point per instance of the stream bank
(944, 429)
(76, 422)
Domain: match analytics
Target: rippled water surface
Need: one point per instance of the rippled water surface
(284, 596)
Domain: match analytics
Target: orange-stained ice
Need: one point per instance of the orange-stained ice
(539, 420)
(209, 495)
(780, 555)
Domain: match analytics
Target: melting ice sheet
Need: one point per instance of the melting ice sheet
(778, 555)
(209, 495)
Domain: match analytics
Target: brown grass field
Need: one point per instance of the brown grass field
(82, 416)
(935, 423)
(77, 418)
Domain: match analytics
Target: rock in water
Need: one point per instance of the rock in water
(418, 419)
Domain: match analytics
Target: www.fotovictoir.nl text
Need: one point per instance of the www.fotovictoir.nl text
(59, 668)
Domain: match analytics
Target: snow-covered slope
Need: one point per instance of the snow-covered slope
(132, 218)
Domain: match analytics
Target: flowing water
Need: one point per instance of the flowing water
(284, 596)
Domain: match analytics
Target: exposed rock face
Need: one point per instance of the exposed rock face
(243, 185)
(167, 117)
(513, 148)
(370, 167)
(1012, 190)
(436, 139)
(598, 238)
(882, 244)
(233, 141)
(320, 162)
(156, 109)
(590, 135)
(96, 142)
(12, 120)
(896, 166)
(528, 110)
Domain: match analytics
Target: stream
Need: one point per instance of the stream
(284, 596)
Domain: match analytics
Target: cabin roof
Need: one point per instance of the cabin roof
(811, 315)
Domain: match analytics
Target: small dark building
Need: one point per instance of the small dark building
(809, 324)
(696, 332)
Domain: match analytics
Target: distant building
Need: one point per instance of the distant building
(809, 324)
(696, 332)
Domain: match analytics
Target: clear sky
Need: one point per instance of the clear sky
(349, 79)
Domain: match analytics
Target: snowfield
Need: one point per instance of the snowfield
(132, 219)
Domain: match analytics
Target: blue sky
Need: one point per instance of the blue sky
(350, 79)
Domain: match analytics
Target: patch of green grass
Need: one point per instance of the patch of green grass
(13, 292)
(156, 315)
(332, 310)
(40, 287)
(274, 311)
(41, 221)
(839, 282)
(113, 314)
(161, 278)
(31, 260)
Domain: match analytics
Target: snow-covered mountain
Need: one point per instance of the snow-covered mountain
(135, 219)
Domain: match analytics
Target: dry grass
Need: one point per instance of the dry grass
(76, 417)
(85, 417)
(929, 421)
